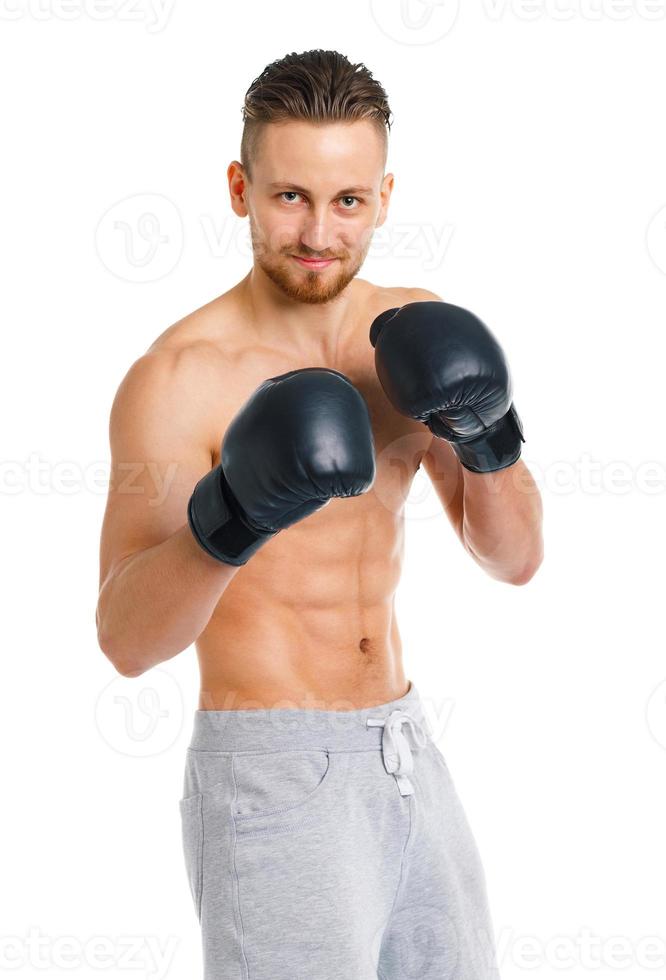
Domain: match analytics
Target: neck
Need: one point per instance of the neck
(302, 328)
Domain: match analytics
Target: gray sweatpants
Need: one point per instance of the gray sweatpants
(331, 845)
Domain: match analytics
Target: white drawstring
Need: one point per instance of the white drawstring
(396, 749)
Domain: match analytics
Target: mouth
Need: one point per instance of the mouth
(313, 263)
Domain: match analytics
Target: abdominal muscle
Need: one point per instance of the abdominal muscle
(309, 622)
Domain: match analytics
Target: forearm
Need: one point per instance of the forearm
(502, 522)
(157, 602)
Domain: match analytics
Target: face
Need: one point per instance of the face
(317, 193)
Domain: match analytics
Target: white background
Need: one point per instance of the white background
(529, 142)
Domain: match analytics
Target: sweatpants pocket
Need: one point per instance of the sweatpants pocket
(280, 791)
(191, 816)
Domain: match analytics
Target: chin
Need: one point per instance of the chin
(312, 289)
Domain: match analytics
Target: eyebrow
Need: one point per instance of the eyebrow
(303, 190)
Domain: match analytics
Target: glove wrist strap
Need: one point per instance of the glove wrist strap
(496, 448)
(216, 521)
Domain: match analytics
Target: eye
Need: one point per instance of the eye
(350, 199)
(287, 193)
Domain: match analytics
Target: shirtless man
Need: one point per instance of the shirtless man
(316, 844)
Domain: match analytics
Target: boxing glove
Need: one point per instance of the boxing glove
(440, 364)
(301, 438)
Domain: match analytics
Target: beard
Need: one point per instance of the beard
(305, 285)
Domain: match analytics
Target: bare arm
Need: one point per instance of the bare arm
(497, 516)
(158, 588)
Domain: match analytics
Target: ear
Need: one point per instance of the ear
(385, 196)
(237, 188)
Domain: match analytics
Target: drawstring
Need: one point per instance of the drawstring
(396, 750)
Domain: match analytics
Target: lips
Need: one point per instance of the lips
(313, 263)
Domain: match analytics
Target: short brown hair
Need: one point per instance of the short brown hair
(317, 86)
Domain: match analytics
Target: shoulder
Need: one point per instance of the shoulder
(175, 381)
(418, 295)
(208, 331)
(155, 387)
(183, 356)
(382, 298)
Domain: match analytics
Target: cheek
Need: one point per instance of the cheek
(278, 231)
(359, 237)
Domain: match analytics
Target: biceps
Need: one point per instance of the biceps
(158, 452)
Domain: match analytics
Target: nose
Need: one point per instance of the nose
(317, 234)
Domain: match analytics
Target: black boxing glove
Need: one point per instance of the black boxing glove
(440, 364)
(300, 439)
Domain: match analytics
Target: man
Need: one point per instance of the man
(323, 835)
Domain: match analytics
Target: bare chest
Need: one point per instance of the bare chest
(399, 442)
